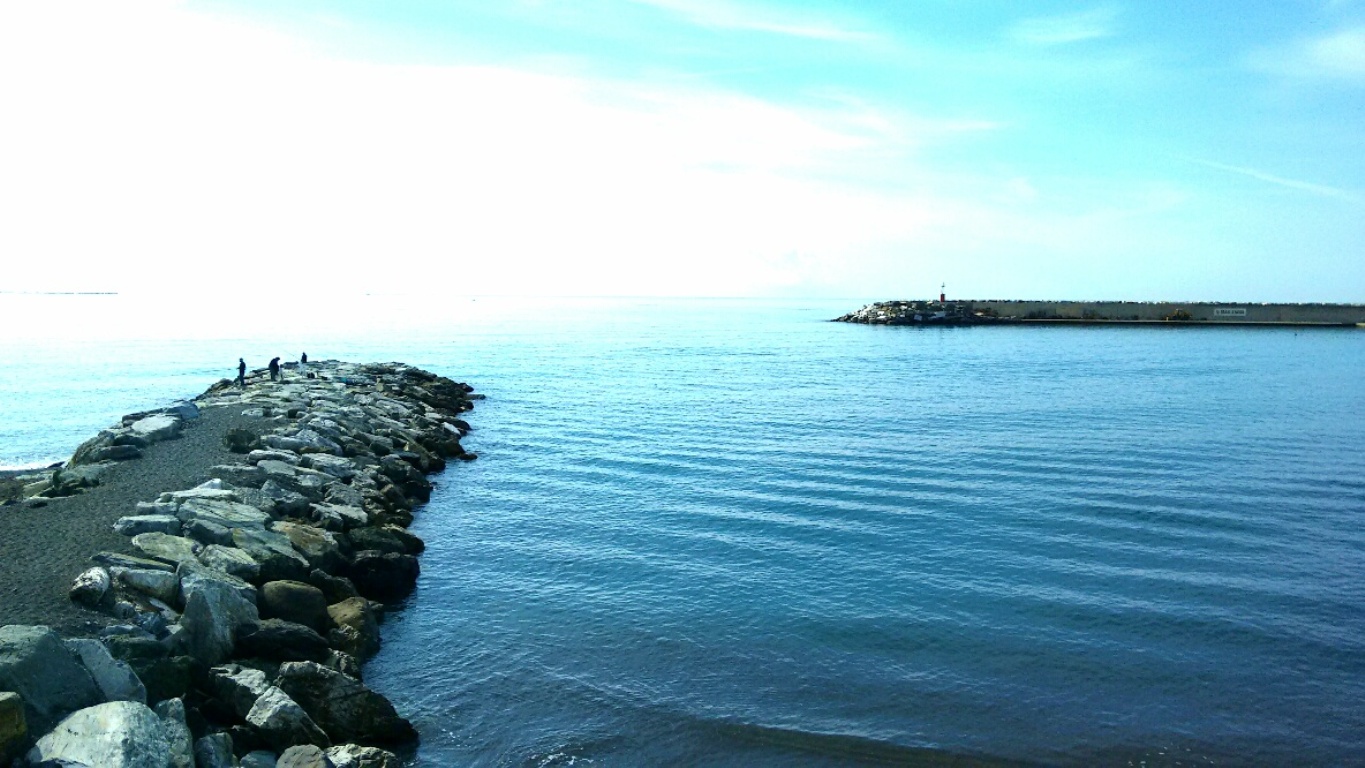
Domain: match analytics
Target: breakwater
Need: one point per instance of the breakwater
(233, 621)
(1206, 313)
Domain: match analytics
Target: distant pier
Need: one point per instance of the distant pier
(994, 311)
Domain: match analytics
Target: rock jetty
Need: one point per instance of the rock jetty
(241, 614)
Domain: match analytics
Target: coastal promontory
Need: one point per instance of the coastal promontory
(200, 584)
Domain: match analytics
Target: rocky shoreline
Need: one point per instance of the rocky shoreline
(230, 626)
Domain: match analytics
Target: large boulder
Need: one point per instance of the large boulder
(35, 664)
(170, 549)
(214, 751)
(384, 576)
(115, 679)
(283, 723)
(275, 553)
(304, 756)
(172, 714)
(297, 602)
(344, 707)
(159, 427)
(224, 512)
(280, 640)
(356, 756)
(163, 585)
(237, 687)
(319, 547)
(357, 628)
(214, 612)
(232, 561)
(118, 734)
(13, 726)
(132, 525)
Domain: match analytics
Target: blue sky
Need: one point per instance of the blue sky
(1154, 150)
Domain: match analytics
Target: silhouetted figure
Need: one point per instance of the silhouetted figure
(241, 372)
(303, 358)
(274, 368)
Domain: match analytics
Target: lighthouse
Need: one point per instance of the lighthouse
(943, 293)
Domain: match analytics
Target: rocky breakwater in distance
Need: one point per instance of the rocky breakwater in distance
(919, 313)
(252, 600)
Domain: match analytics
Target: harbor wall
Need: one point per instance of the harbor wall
(1214, 312)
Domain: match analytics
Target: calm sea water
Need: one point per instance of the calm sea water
(730, 533)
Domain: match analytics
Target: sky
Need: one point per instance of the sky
(1154, 150)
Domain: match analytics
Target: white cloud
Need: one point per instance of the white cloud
(1339, 55)
(1071, 28)
(726, 14)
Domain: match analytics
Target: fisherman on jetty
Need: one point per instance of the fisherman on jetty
(241, 373)
(274, 368)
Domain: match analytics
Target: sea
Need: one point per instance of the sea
(728, 532)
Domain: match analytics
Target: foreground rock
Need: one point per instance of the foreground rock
(243, 621)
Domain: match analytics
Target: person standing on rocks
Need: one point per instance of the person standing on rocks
(274, 368)
(241, 373)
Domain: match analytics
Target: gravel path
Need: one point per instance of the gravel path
(42, 549)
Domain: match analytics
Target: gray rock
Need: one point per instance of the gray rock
(304, 756)
(114, 678)
(119, 734)
(283, 723)
(119, 560)
(280, 640)
(319, 547)
(172, 714)
(297, 602)
(90, 587)
(192, 573)
(258, 759)
(335, 466)
(115, 453)
(339, 517)
(209, 491)
(274, 552)
(335, 588)
(156, 508)
(13, 726)
(214, 751)
(356, 756)
(184, 410)
(385, 577)
(162, 585)
(171, 549)
(207, 532)
(161, 427)
(223, 512)
(344, 707)
(231, 560)
(357, 628)
(288, 457)
(287, 502)
(155, 523)
(240, 476)
(52, 681)
(214, 612)
(237, 686)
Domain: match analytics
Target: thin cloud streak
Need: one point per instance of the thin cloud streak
(1281, 181)
(1062, 30)
(726, 15)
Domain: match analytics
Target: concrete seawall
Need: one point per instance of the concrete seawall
(1213, 312)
